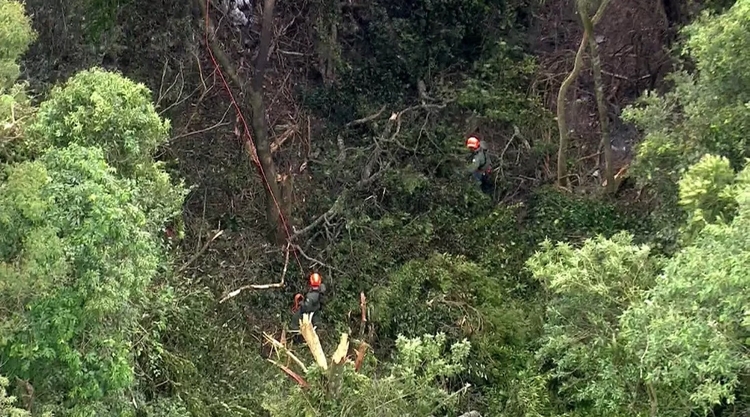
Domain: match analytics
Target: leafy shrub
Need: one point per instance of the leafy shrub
(562, 217)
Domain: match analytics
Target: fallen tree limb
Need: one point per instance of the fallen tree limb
(367, 178)
(279, 346)
(340, 137)
(301, 381)
(279, 284)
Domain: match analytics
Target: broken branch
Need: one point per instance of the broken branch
(200, 252)
(278, 345)
(279, 284)
(291, 373)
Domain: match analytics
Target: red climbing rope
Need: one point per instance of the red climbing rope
(249, 138)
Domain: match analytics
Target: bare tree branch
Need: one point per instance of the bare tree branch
(200, 252)
(340, 136)
(367, 177)
(279, 284)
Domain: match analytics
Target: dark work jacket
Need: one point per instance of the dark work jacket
(479, 161)
(314, 300)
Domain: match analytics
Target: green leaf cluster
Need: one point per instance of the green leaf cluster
(75, 257)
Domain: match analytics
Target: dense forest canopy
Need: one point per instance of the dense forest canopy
(172, 172)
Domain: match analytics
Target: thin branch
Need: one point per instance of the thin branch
(311, 259)
(363, 309)
(340, 136)
(200, 252)
(204, 130)
(280, 346)
(516, 132)
(301, 381)
(279, 284)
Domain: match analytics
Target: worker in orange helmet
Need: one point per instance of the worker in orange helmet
(480, 167)
(312, 302)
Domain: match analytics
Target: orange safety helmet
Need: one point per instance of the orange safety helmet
(315, 280)
(472, 143)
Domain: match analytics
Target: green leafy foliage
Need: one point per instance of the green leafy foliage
(691, 330)
(707, 193)
(16, 35)
(492, 89)
(76, 257)
(589, 289)
(7, 407)
(705, 112)
(413, 384)
(101, 108)
(630, 334)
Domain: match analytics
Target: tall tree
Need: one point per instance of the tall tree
(596, 66)
(562, 124)
(257, 146)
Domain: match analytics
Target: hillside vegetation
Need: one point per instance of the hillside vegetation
(172, 172)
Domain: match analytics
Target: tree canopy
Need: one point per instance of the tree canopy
(170, 176)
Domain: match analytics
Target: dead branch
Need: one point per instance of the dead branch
(336, 206)
(204, 130)
(200, 252)
(279, 284)
(340, 137)
(361, 351)
(309, 258)
(363, 309)
(280, 346)
(516, 132)
(276, 145)
(301, 381)
(367, 177)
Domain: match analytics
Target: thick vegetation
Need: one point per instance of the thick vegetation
(534, 301)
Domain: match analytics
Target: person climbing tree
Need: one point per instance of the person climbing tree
(312, 302)
(480, 166)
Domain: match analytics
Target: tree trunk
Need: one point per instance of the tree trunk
(562, 125)
(596, 65)
(274, 211)
(261, 152)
